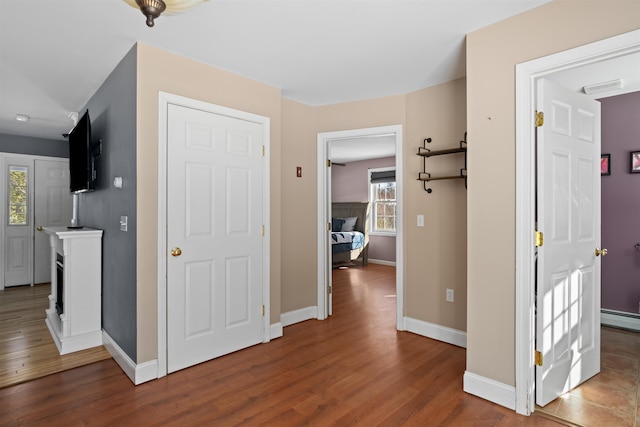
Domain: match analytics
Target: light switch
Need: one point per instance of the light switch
(420, 220)
(123, 223)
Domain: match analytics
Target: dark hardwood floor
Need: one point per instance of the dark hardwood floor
(353, 369)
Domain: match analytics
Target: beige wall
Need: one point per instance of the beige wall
(162, 71)
(299, 212)
(492, 54)
(435, 256)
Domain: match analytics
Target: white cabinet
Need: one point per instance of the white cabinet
(74, 315)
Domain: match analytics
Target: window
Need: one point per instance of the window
(382, 195)
(18, 195)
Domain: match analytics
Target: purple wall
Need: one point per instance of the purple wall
(349, 184)
(621, 204)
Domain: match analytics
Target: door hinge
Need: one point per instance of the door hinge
(539, 118)
(263, 151)
(328, 163)
(539, 238)
(263, 230)
(330, 289)
(537, 356)
(328, 226)
(263, 309)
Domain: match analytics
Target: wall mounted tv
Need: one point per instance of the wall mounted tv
(81, 160)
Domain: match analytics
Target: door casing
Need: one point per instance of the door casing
(323, 141)
(527, 75)
(164, 99)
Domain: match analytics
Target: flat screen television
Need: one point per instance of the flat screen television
(81, 160)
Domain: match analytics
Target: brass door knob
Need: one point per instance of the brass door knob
(176, 251)
(602, 252)
(39, 228)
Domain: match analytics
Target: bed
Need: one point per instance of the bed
(348, 244)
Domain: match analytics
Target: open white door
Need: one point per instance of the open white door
(214, 235)
(568, 215)
(329, 254)
(52, 208)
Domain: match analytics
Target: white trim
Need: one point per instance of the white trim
(138, 374)
(436, 332)
(275, 330)
(491, 390)
(527, 75)
(619, 319)
(382, 262)
(300, 315)
(323, 140)
(164, 99)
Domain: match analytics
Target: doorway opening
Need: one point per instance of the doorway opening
(324, 212)
(527, 75)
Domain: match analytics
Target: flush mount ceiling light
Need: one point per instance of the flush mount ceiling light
(603, 87)
(22, 118)
(153, 8)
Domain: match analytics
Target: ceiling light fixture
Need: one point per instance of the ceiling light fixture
(153, 8)
(603, 87)
(22, 118)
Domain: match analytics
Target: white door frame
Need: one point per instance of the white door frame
(324, 139)
(527, 75)
(164, 99)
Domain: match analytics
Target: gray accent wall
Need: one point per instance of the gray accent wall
(33, 146)
(113, 121)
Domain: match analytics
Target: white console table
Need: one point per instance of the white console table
(76, 259)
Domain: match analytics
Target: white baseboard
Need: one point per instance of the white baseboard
(382, 262)
(437, 332)
(275, 330)
(491, 390)
(138, 374)
(620, 319)
(300, 315)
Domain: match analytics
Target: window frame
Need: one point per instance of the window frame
(371, 192)
(27, 204)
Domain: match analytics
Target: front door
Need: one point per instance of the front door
(568, 215)
(53, 205)
(214, 235)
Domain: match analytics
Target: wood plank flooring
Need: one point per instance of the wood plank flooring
(27, 350)
(353, 369)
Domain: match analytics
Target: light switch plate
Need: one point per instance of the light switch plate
(420, 220)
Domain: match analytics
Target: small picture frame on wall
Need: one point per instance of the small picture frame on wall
(635, 162)
(605, 164)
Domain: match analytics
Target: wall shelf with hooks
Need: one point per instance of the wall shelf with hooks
(425, 153)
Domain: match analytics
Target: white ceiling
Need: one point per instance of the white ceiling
(55, 54)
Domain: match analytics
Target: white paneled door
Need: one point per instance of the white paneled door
(214, 235)
(568, 214)
(53, 206)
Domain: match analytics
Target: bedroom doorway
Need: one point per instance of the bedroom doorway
(325, 142)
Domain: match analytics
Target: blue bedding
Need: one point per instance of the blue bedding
(346, 241)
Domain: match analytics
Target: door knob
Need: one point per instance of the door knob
(39, 228)
(176, 251)
(602, 252)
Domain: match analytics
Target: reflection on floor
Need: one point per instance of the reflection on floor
(612, 397)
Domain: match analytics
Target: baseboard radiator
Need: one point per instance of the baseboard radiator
(620, 319)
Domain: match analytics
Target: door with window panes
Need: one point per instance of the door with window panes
(17, 242)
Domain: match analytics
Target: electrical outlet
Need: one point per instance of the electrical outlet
(123, 223)
(449, 296)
